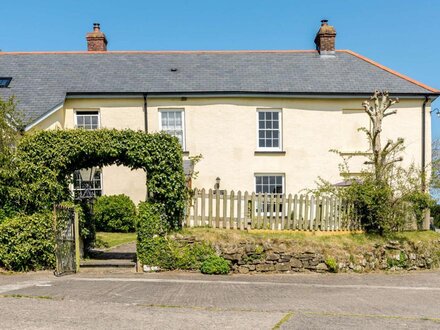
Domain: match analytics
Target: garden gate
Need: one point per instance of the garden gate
(66, 228)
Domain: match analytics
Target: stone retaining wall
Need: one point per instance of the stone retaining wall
(288, 257)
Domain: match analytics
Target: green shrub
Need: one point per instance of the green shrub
(115, 213)
(435, 213)
(153, 248)
(27, 242)
(191, 256)
(332, 264)
(215, 265)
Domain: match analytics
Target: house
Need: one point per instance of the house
(263, 121)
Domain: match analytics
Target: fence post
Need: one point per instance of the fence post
(217, 208)
(194, 221)
(202, 211)
(225, 209)
(238, 223)
(231, 212)
(210, 197)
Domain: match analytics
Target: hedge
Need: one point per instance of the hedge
(45, 161)
(27, 242)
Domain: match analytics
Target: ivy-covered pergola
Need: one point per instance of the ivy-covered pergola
(45, 161)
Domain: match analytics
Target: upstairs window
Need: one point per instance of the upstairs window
(269, 130)
(5, 81)
(88, 120)
(172, 121)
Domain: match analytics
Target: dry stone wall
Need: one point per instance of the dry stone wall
(289, 257)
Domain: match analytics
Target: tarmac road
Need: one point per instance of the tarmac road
(193, 301)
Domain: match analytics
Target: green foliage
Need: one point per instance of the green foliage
(115, 213)
(215, 265)
(435, 213)
(45, 160)
(420, 202)
(386, 196)
(27, 242)
(400, 261)
(11, 125)
(153, 247)
(191, 256)
(332, 264)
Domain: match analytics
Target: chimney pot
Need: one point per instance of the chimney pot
(96, 40)
(325, 39)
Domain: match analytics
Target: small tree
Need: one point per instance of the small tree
(382, 159)
(11, 128)
(386, 192)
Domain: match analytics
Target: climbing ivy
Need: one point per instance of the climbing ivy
(45, 160)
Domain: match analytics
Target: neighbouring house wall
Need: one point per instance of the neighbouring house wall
(224, 131)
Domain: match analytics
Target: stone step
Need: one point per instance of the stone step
(107, 263)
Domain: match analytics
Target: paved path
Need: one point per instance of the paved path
(193, 301)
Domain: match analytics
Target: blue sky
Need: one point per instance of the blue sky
(400, 34)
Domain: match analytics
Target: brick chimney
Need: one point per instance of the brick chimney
(96, 40)
(325, 39)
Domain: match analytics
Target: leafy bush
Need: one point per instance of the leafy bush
(27, 242)
(420, 202)
(435, 213)
(115, 213)
(153, 247)
(215, 265)
(332, 264)
(191, 256)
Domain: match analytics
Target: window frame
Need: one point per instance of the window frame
(74, 190)
(280, 129)
(283, 181)
(181, 110)
(77, 112)
(7, 82)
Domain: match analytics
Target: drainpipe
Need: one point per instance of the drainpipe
(424, 143)
(146, 131)
(427, 213)
(145, 112)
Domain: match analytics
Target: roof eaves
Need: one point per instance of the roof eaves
(415, 82)
(44, 116)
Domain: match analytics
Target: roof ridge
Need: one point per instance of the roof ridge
(383, 67)
(160, 52)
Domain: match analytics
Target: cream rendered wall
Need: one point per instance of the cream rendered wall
(224, 131)
(119, 114)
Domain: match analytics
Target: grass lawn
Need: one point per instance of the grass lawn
(343, 241)
(108, 240)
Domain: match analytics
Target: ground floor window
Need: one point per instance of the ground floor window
(269, 183)
(80, 186)
(272, 184)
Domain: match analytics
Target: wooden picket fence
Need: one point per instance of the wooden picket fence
(230, 210)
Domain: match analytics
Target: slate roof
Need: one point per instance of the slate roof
(42, 80)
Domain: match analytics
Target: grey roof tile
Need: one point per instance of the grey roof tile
(41, 81)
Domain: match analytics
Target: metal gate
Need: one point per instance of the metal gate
(66, 229)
